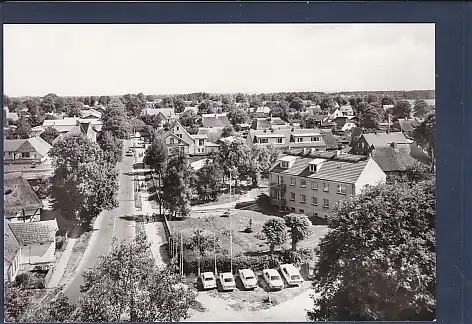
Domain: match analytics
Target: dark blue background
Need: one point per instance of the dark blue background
(453, 96)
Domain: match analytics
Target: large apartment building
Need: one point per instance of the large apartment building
(312, 184)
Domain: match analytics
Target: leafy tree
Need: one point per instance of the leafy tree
(208, 181)
(371, 97)
(262, 159)
(176, 185)
(111, 146)
(280, 110)
(202, 243)
(275, 233)
(205, 107)
(418, 171)
(127, 286)
(235, 158)
(227, 131)
(74, 109)
(115, 120)
(378, 260)
(340, 100)
(240, 97)
(60, 104)
(297, 104)
(59, 309)
(133, 105)
(369, 116)
(327, 103)
(421, 108)
(255, 102)
(23, 130)
(104, 100)
(87, 101)
(50, 134)
(237, 116)
(48, 104)
(425, 136)
(402, 109)
(7, 101)
(300, 228)
(179, 105)
(309, 121)
(17, 302)
(188, 119)
(388, 100)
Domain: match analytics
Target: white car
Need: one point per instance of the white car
(227, 281)
(273, 279)
(248, 278)
(208, 280)
(291, 274)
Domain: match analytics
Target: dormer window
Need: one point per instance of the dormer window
(312, 167)
(315, 139)
(284, 164)
(300, 139)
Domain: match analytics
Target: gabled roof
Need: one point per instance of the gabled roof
(11, 246)
(166, 112)
(215, 120)
(384, 139)
(166, 134)
(91, 112)
(408, 125)
(38, 143)
(35, 232)
(397, 159)
(18, 195)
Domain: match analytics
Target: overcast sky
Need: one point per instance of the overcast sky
(166, 59)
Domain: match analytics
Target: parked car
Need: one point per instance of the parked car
(273, 279)
(227, 281)
(291, 274)
(208, 280)
(33, 165)
(248, 278)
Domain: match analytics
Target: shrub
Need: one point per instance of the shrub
(296, 257)
(59, 242)
(22, 279)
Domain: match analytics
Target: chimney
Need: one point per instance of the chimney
(393, 145)
(338, 153)
(305, 151)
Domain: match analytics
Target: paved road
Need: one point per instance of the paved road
(109, 224)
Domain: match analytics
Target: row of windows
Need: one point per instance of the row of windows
(280, 140)
(302, 211)
(341, 189)
(314, 200)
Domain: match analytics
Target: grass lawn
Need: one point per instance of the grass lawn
(242, 242)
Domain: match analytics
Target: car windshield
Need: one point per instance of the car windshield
(249, 278)
(228, 279)
(274, 278)
(208, 279)
(295, 277)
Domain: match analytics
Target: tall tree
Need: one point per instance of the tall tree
(421, 108)
(208, 181)
(262, 159)
(297, 104)
(425, 137)
(327, 103)
(127, 286)
(402, 109)
(275, 233)
(179, 105)
(378, 261)
(280, 110)
(74, 109)
(235, 158)
(111, 146)
(48, 103)
(23, 129)
(300, 228)
(388, 100)
(227, 131)
(49, 134)
(206, 107)
(237, 116)
(176, 186)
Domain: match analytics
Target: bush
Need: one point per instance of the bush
(22, 279)
(59, 242)
(296, 257)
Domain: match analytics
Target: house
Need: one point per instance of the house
(20, 202)
(175, 143)
(344, 123)
(346, 110)
(394, 159)
(262, 112)
(153, 103)
(368, 142)
(91, 114)
(32, 150)
(386, 108)
(407, 125)
(312, 184)
(269, 123)
(214, 134)
(11, 253)
(166, 114)
(9, 115)
(84, 128)
(215, 120)
(314, 110)
(36, 239)
(68, 123)
(334, 113)
(287, 138)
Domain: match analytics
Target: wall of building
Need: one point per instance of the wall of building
(180, 131)
(11, 270)
(38, 253)
(9, 157)
(372, 175)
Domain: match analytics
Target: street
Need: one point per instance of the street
(109, 224)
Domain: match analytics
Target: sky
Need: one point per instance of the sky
(80, 60)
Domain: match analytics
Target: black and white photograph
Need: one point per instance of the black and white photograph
(219, 172)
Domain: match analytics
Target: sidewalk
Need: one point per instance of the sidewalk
(61, 265)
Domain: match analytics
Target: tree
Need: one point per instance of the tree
(74, 109)
(421, 108)
(275, 233)
(402, 109)
(7, 101)
(104, 100)
(371, 97)
(176, 186)
(377, 263)
(227, 131)
(297, 104)
(179, 105)
(418, 171)
(255, 102)
(237, 116)
(23, 130)
(17, 302)
(115, 120)
(111, 146)
(340, 100)
(205, 107)
(369, 116)
(262, 159)
(208, 181)
(188, 119)
(83, 183)
(280, 110)
(134, 106)
(49, 134)
(235, 158)
(48, 103)
(327, 103)
(201, 242)
(300, 228)
(425, 136)
(309, 121)
(127, 286)
(388, 100)
(60, 104)
(240, 97)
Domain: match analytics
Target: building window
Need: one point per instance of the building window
(303, 199)
(303, 183)
(300, 139)
(325, 187)
(314, 185)
(172, 141)
(279, 141)
(25, 154)
(315, 139)
(179, 135)
(263, 140)
(292, 210)
(313, 167)
(177, 127)
(314, 201)
(301, 211)
(284, 164)
(280, 180)
(342, 189)
(325, 203)
(293, 181)
(292, 196)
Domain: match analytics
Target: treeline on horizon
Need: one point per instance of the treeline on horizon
(277, 96)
